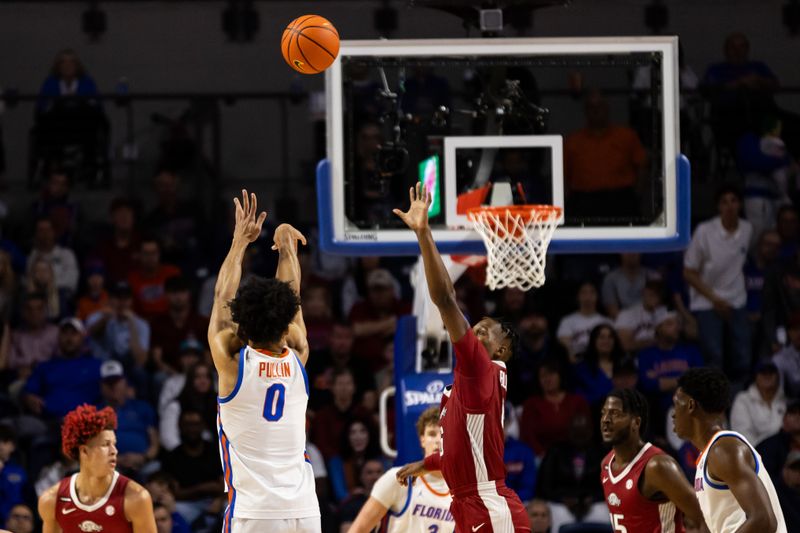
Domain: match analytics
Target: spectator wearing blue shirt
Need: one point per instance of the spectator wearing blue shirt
(137, 437)
(519, 459)
(661, 365)
(68, 77)
(13, 479)
(68, 380)
(162, 488)
(594, 373)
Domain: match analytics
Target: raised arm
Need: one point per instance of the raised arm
(731, 461)
(664, 476)
(286, 238)
(441, 289)
(221, 332)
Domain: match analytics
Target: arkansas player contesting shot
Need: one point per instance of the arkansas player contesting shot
(97, 498)
(471, 413)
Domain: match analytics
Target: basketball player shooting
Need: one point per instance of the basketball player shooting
(644, 487)
(734, 489)
(97, 498)
(258, 343)
(471, 413)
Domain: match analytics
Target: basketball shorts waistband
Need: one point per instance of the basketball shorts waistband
(474, 489)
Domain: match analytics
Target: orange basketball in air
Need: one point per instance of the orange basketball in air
(310, 44)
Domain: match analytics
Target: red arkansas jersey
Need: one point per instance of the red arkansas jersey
(630, 511)
(106, 515)
(471, 419)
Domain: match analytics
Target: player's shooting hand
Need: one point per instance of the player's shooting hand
(411, 470)
(248, 226)
(286, 236)
(416, 218)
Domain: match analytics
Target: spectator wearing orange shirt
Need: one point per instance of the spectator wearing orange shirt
(147, 281)
(96, 296)
(603, 164)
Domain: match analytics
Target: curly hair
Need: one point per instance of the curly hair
(263, 309)
(511, 334)
(429, 417)
(709, 387)
(83, 424)
(633, 403)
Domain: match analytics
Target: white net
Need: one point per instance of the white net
(516, 239)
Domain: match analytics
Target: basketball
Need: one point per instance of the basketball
(310, 44)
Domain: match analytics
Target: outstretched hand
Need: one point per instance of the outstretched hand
(287, 236)
(248, 227)
(416, 218)
(412, 471)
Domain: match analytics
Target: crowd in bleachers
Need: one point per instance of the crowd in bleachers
(117, 315)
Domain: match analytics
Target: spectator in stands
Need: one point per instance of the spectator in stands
(511, 305)
(762, 260)
(354, 287)
(318, 316)
(594, 372)
(36, 340)
(52, 473)
(713, 267)
(190, 353)
(539, 515)
(788, 489)
(547, 414)
(788, 359)
(195, 466)
(370, 472)
(635, 324)
(767, 169)
(96, 296)
(536, 343)
(163, 519)
(148, 279)
(198, 395)
(118, 331)
(623, 286)
(55, 204)
(118, 250)
(739, 89)
(20, 519)
(68, 77)
(359, 444)
(323, 365)
(177, 223)
(179, 323)
(8, 287)
(137, 436)
(626, 374)
(375, 318)
(162, 488)
(65, 266)
(569, 477)
(518, 457)
(330, 421)
(71, 378)
(758, 411)
(573, 330)
(603, 165)
(788, 227)
(781, 300)
(775, 449)
(40, 278)
(661, 365)
(13, 478)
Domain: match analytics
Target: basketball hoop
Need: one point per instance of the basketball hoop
(516, 239)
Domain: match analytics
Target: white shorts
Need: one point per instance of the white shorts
(279, 525)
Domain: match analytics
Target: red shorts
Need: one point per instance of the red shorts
(493, 509)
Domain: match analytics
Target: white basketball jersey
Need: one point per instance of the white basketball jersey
(423, 507)
(262, 431)
(720, 509)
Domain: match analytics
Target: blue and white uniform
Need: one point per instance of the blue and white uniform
(722, 512)
(423, 507)
(262, 432)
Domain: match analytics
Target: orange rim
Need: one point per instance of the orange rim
(525, 211)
